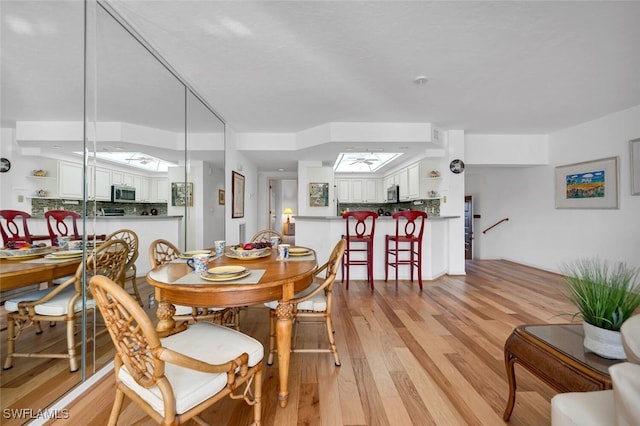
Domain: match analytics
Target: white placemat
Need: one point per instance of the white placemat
(194, 278)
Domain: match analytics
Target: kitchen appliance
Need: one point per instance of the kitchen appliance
(393, 194)
(112, 212)
(123, 194)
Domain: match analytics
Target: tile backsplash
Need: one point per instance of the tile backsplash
(40, 205)
(431, 206)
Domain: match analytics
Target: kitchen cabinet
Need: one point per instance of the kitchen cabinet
(161, 190)
(143, 191)
(359, 190)
(413, 181)
(70, 180)
(121, 178)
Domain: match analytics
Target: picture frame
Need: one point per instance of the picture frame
(587, 185)
(237, 195)
(634, 151)
(319, 194)
(221, 197)
(182, 194)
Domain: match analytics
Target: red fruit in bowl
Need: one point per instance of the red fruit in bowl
(248, 246)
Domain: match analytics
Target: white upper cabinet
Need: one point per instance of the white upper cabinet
(413, 181)
(70, 180)
(102, 190)
(359, 190)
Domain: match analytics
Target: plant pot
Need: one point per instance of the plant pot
(606, 343)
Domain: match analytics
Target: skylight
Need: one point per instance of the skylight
(138, 160)
(363, 162)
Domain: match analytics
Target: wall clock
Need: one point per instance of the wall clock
(456, 166)
(5, 165)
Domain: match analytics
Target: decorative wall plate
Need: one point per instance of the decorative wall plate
(456, 166)
(5, 164)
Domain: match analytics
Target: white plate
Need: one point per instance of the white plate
(234, 256)
(191, 253)
(65, 254)
(299, 251)
(228, 270)
(231, 277)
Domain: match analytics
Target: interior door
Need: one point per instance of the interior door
(468, 227)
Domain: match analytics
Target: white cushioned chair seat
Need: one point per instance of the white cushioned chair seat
(11, 305)
(583, 409)
(204, 341)
(318, 303)
(54, 307)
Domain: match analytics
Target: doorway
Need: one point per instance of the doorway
(468, 227)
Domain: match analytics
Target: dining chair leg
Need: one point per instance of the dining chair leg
(136, 292)
(332, 341)
(272, 336)
(71, 346)
(11, 342)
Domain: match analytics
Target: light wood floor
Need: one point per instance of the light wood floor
(408, 357)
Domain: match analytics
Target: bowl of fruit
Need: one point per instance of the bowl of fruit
(22, 248)
(251, 250)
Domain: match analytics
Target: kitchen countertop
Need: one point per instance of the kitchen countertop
(431, 218)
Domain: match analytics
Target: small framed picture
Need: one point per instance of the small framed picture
(319, 194)
(182, 194)
(221, 197)
(237, 195)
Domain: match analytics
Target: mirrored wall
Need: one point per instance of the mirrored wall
(92, 92)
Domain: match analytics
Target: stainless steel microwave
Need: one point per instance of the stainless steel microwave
(123, 194)
(393, 194)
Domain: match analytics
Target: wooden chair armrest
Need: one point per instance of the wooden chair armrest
(229, 367)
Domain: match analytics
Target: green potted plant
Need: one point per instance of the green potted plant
(605, 296)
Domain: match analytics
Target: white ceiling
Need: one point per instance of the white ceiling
(492, 67)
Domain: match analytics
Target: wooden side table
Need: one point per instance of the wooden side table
(555, 353)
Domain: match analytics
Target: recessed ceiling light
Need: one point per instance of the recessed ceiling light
(281, 170)
(420, 80)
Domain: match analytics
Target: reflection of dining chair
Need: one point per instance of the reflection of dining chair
(313, 302)
(176, 378)
(162, 251)
(61, 223)
(130, 271)
(15, 228)
(360, 227)
(405, 246)
(61, 303)
(266, 234)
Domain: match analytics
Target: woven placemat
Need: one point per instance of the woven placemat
(194, 278)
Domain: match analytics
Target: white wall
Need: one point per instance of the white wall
(537, 233)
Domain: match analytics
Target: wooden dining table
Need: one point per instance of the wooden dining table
(274, 279)
(17, 273)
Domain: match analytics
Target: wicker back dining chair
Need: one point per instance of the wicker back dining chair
(162, 251)
(312, 304)
(130, 271)
(176, 378)
(62, 303)
(265, 235)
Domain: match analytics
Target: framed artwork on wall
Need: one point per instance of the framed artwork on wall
(182, 194)
(237, 195)
(634, 146)
(588, 185)
(319, 194)
(221, 197)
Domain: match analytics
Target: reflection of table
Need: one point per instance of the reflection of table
(16, 273)
(555, 353)
(280, 281)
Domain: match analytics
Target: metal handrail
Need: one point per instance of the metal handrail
(506, 219)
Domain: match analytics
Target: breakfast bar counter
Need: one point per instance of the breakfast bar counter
(322, 232)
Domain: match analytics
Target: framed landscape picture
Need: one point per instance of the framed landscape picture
(588, 185)
(319, 194)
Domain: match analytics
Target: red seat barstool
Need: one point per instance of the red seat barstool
(409, 229)
(360, 229)
(11, 231)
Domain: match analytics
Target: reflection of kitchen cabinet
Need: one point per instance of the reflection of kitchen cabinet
(372, 191)
(404, 184)
(161, 190)
(102, 189)
(70, 180)
(143, 191)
